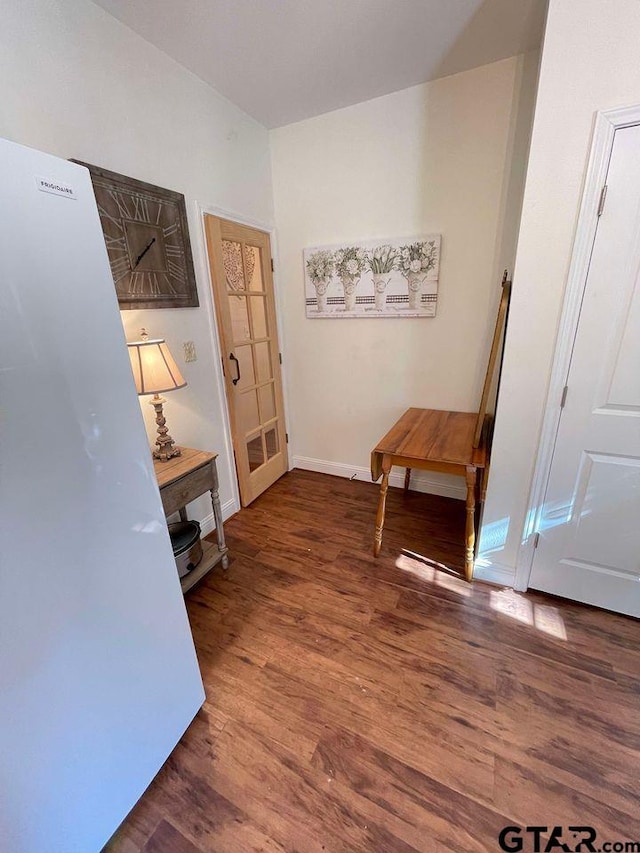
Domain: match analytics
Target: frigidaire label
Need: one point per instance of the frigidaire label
(50, 185)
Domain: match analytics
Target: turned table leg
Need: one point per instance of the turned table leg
(407, 480)
(470, 532)
(217, 514)
(384, 486)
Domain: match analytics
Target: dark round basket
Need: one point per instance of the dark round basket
(186, 544)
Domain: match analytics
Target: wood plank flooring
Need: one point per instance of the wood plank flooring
(383, 705)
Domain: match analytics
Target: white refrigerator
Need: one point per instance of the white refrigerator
(98, 673)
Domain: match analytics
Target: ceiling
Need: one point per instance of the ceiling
(286, 60)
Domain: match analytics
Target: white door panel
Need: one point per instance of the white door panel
(589, 545)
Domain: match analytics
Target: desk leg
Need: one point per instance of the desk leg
(407, 480)
(384, 486)
(217, 514)
(470, 533)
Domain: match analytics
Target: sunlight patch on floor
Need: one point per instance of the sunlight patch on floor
(454, 584)
(517, 606)
(513, 605)
(549, 620)
(542, 617)
(433, 572)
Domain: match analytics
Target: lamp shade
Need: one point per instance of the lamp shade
(154, 368)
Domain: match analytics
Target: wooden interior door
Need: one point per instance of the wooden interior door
(240, 263)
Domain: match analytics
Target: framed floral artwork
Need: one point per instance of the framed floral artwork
(375, 278)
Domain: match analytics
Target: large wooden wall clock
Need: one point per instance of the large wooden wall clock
(145, 230)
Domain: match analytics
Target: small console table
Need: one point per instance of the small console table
(183, 479)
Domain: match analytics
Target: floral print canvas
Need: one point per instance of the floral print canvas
(375, 278)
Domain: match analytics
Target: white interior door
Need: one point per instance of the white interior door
(589, 543)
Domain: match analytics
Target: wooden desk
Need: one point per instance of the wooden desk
(431, 440)
(183, 479)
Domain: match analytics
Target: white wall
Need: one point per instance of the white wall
(77, 83)
(589, 63)
(446, 156)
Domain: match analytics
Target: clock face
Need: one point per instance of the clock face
(147, 242)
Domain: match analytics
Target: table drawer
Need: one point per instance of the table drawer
(186, 489)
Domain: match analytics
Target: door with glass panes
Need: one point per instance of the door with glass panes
(240, 263)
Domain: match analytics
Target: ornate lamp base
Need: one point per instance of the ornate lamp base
(165, 448)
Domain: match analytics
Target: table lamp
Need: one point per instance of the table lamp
(155, 372)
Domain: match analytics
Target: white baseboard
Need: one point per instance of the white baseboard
(207, 524)
(492, 572)
(420, 480)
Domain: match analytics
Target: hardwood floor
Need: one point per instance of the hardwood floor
(382, 705)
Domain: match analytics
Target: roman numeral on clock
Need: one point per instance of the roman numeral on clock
(119, 268)
(104, 213)
(145, 284)
(175, 271)
(121, 201)
(155, 284)
(115, 242)
(140, 208)
(169, 287)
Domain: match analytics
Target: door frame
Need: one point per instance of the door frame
(205, 209)
(607, 122)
